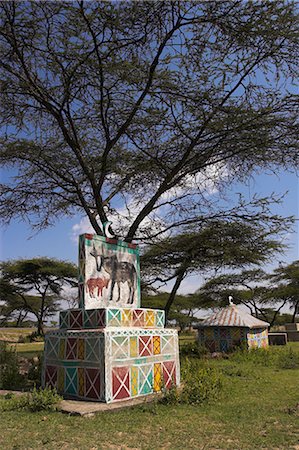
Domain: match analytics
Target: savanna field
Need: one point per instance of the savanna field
(245, 401)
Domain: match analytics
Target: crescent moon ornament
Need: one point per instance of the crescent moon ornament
(107, 230)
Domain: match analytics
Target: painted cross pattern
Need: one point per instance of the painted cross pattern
(52, 347)
(160, 319)
(51, 376)
(64, 319)
(145, 346)
(145, 379)
(120, 383)
(120, 347)
(71, 380)
(94, 349)
(167, 344)
(71, 348)
(76, 319)
(157, 377)
(138, 317)
(114, 317)
(169, 374)
(93, 383)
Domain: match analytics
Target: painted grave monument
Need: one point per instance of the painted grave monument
(110, 349)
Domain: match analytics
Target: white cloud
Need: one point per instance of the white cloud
(205, 182)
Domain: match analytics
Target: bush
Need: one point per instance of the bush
(35, 371)
(10, 377)
(38, 400)
(199, 385)
(193, 350)
(287, 359)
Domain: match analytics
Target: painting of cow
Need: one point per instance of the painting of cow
(119, 271)
(98, 284)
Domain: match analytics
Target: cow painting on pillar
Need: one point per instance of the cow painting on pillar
(109, 273)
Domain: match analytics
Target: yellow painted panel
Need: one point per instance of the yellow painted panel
(149, 319)
(81, 353)
(134, 381)
(60, 379)
(157, 345)
(157, 377)
(133, 346)
(126, 317)
(61, 348)
(81, 381)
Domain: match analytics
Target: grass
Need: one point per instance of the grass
(13, 334)
(258, 409)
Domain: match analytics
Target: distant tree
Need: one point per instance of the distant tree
(143, 110)
(286, 279)
(34, 286)
(182, 311)
(257, 289)
(219, 244)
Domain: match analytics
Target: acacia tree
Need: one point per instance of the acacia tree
(256, 289)
(151, 105)
(286, 279)
(215, 246)
(34, 286)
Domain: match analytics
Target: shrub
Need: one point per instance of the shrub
(35, 371)
(287, 359)
(193, 350)
(10, 377)
(38, 400)
(200, 385)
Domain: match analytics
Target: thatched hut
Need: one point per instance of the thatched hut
(232, 327)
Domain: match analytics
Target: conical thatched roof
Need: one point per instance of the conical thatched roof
(232, 316)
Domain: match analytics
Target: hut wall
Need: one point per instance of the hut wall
(221, 339)
(257, 338)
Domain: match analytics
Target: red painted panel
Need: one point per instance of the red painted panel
(71, 348)
(145, 345)
(120, 383)
(76, 319)
(169, 373)
(51, 376)
(92, 383)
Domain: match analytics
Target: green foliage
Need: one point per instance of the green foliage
(10, 377)
(276, 357)
(193, 350)
(34, 375)
(121, 123)
(34, 286)
(38, 400)
(200, 384)
(288, 359)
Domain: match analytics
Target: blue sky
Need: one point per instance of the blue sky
(19, 241)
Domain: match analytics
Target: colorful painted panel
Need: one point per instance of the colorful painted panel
(109, 273)
(111, 317)
(223, 339)
(257, 338)
(111, 364)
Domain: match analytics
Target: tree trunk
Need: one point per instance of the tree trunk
(172, 294)
(295, 311)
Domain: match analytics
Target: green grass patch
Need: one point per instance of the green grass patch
(256, 409)
(13, 334)
(32, 348)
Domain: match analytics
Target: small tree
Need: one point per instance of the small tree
(34, 286)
